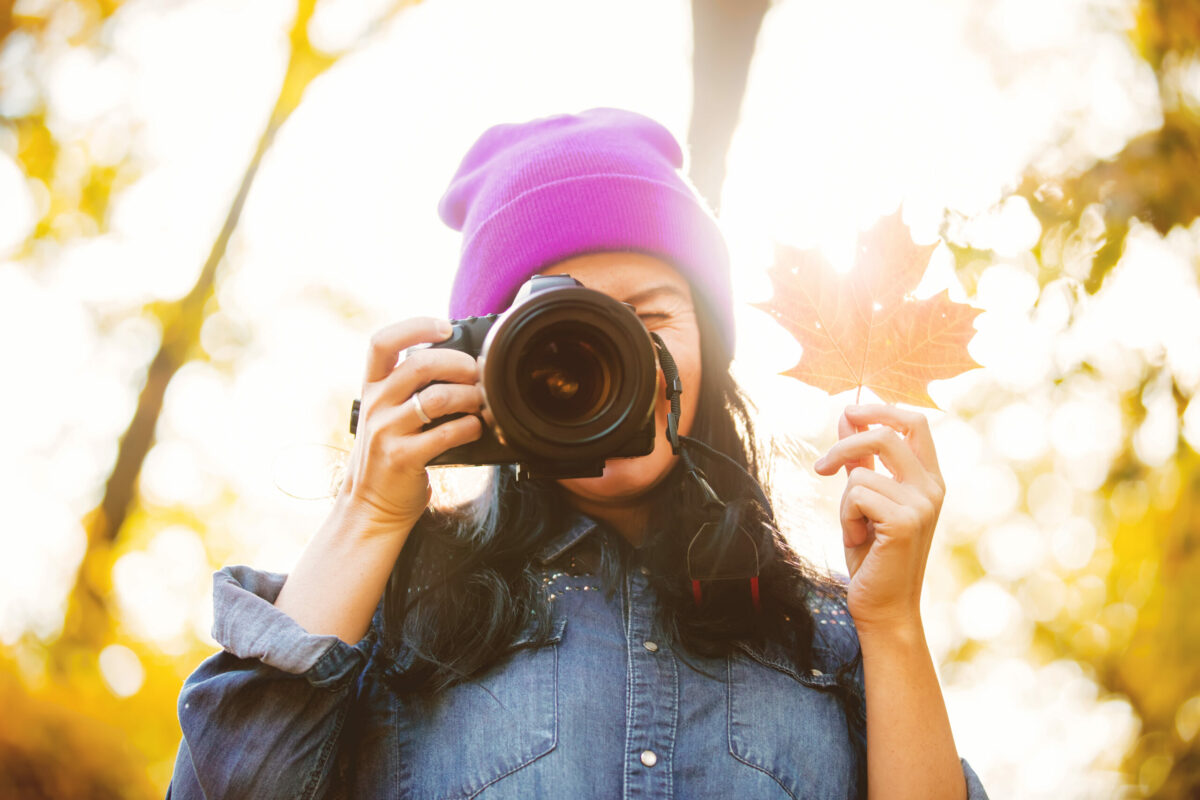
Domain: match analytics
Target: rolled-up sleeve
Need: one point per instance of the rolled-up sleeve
(975, 790)
(262, 718)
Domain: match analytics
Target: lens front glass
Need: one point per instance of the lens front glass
(566, 373)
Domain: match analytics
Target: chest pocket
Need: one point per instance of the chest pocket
(782, 723)
(476, 733)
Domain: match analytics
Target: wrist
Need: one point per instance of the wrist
(354, 517)
(903, 631)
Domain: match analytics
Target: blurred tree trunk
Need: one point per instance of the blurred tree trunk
(89, 620)
(6, 19)
(724, 33)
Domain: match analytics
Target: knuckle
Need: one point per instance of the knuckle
(434, 398)
(378, 447)
(374, 435)
(368, 424)
(366, 415)
(395, 453)
(378, 344)
(922, 509)
(382, 418)
(445, 433)
(419, 366)
(913, 518)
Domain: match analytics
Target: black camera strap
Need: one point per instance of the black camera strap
(681, 444)
(741, 566)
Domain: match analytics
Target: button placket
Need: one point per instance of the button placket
(653, 698)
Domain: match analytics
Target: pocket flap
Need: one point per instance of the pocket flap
(528, 634)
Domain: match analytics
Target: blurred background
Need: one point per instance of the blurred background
(207, 207)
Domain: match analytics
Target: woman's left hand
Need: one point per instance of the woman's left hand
(887, 522)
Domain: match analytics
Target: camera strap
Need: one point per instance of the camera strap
(706, 559)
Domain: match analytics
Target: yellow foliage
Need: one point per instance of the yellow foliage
(1157, 564)
(50, 749)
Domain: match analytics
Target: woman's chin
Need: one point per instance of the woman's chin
(624, 479)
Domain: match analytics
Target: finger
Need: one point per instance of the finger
(847, 428)
(489, 419)
(442, 399)
(387, 419)
(436, 401)
(899, 493)
(387, 342)
(427, 445)
(913, 425)
(862, 505)
(423, 367)
(895, 455)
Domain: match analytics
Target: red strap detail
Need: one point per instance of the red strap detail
(696, 594)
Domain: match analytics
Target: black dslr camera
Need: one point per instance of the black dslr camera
(569, 377)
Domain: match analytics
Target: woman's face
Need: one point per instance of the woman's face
(663, 301)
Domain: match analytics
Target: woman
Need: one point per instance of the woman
(547, 640)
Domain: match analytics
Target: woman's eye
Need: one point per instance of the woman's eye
(651, 317)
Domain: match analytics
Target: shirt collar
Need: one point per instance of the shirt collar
(578, 525)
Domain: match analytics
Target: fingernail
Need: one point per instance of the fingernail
(444, 327)
(820, 463)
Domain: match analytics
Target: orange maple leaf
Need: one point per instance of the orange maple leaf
(863, 328)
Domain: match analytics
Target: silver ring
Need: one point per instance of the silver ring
(416, 398)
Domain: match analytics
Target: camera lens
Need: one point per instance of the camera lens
(569, 374)
(566, 374)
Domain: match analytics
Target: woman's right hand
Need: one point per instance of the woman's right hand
(386, 477)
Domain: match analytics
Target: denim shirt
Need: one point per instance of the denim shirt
(607, 710)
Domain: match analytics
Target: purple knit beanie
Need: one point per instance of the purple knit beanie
(530, 194)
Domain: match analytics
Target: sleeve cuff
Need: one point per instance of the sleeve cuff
(248, 625)
(975, 790)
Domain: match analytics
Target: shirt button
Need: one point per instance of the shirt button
(651, 646)
(649, 758)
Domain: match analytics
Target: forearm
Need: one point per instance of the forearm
(910, 747)
(341, 575)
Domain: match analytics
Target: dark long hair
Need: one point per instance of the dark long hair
(465, 584)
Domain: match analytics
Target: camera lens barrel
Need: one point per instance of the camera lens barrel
(568, 372)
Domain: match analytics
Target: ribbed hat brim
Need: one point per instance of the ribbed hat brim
(593, 213)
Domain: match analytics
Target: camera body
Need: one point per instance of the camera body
(569, 378)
